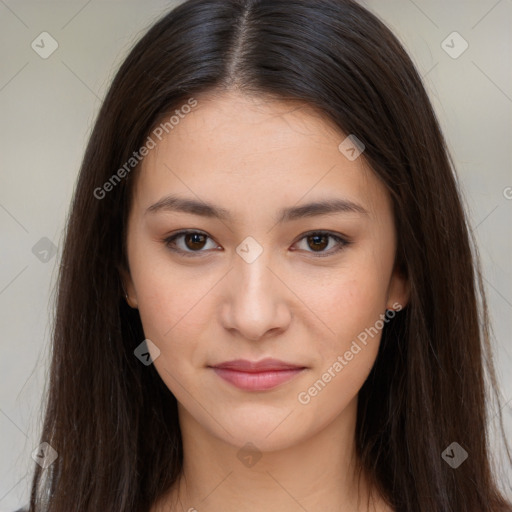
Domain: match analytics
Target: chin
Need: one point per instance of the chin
(245, 439)
(269, 428)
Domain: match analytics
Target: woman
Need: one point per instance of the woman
(267, 298)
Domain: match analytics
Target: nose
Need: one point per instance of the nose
(257, 300)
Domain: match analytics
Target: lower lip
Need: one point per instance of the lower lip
(260, 381)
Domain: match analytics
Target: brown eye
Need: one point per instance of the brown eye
(192, 243)
(318, 242)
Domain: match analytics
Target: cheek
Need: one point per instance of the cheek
(351, 303)
(169, 297)
(352, 309)
(172, 320)
(171, 305)
(345, 303)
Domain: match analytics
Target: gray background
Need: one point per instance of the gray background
(47, 110)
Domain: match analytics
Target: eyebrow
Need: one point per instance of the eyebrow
(174, 203)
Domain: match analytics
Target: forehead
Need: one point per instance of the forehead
(238, 124)
(231, 145)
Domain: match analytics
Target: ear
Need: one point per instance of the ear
(398, 290)
(128, 287)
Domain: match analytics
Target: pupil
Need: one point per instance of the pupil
(316, 237)
(195, 236)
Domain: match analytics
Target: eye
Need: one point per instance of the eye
(319, 240)
(194, 241)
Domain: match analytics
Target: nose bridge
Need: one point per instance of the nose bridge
(251, 265)
(253, 277)
(256, 301)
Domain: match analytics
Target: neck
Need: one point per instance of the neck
(319, 473)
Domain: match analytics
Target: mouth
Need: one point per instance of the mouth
(257, 375)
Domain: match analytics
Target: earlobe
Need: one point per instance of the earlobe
(398, 291)
(128, 288)
(132, 303)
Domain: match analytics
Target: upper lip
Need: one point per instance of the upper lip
(265, 365)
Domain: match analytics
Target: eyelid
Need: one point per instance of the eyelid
(341, 240)
(170, 239)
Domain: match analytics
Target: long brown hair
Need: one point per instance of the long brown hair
(112, 420)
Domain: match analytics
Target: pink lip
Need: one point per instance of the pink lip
(257, 376)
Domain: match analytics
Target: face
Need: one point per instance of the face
(260, 274)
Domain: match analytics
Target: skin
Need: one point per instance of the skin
(254, 156)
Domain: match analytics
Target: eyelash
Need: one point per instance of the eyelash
(342, 243)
